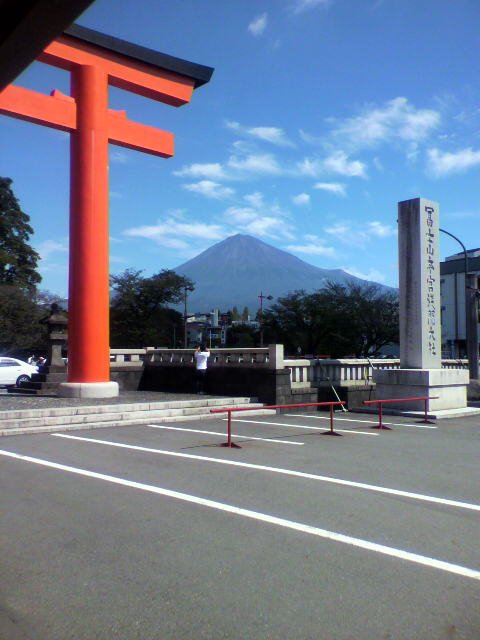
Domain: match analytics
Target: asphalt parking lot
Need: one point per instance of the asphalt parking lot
(156, 532)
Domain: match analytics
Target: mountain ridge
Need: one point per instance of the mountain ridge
(236, 270)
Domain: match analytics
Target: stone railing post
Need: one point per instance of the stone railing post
(275, 356)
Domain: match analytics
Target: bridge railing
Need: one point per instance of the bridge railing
(346, 371)
(270, 357)
(127, 358)
(311, 372)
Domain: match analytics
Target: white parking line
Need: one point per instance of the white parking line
(464, 572)
(286, 472)
(218, 433)
(393, 424)
(301, 426)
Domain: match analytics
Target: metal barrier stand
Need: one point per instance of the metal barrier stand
(230, 410)
(380, 403)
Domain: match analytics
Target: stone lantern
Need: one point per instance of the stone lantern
(58, 333)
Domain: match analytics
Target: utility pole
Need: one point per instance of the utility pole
(185, 341)
(261, 297)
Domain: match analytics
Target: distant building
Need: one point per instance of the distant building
(452, 294)
(206, 328)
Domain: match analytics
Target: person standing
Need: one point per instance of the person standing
(201, 356)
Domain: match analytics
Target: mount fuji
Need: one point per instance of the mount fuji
(235, 271)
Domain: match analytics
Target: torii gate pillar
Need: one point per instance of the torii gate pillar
(95, 61)
(89, 344)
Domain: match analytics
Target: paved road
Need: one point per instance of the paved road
(369, 536)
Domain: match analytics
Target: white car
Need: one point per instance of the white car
(15, 372)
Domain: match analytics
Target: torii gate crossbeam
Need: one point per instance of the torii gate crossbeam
(95, 61)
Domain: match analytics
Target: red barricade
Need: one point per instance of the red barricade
(380, 403)
(230, 410)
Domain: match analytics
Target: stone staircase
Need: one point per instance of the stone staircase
(22, 421)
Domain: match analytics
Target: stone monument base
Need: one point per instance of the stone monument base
(88, 390)
(448, 386)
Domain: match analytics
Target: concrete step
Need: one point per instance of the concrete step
(91, 417)
(11, 431)
(117, 416)
(207, 401)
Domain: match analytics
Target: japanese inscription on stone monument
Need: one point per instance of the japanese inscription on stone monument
(432, 276)
(419, 269)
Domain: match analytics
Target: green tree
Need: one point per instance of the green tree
(372, 314)
(299, 320)
(339, 320)
(241, 336)
(245, 314)
(139, 311)
(18, 261)
(20, 328)
(235, 314)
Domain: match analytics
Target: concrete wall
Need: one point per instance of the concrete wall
(128, 379)
(352, 395)
(270, 386)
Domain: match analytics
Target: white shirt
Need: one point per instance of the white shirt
(201, 359)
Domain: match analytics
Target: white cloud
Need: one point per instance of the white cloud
(359, 234)
(301, 199)
(308, 138)
(259, 218)
(173, 234)
(267, 226)
(47, 247)
(212, 171)
(299, 6)
(258, 25)
(261, 164)
(210, 189)
(333, 187)
(241, 215)
(372, 275)
(273, 135)
(444, 163)
(313, 246)
(254, 199)
(312, 168)
(270, 134)
(339, 230)
(337, 163)
(380, 230)
(397, 119)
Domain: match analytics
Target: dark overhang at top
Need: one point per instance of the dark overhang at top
(27, 27)
(458, 266)
(200, 74)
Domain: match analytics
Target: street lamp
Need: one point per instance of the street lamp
(471, 320)
(261, 297)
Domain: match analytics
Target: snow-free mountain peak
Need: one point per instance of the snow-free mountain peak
(235, 271)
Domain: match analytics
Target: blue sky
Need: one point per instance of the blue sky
(321, 115)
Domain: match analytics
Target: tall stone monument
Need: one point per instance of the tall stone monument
(421, 373)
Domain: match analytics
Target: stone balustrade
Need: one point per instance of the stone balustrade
(270, 357)
(313, 372)
(346, 371)
(124, 358)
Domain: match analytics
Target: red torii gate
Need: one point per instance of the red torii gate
(95, 61)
